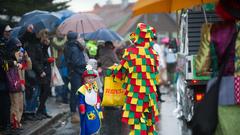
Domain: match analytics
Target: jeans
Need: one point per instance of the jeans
(32, 103)
(76, 83)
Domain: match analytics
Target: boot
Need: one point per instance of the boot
(75, 118)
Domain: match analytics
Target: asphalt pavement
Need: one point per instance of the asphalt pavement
(112, 125)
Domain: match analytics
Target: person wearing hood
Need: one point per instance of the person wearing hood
(138, 70)
(75, 60)
(18, 61)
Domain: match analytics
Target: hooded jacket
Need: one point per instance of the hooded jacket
(74, 55)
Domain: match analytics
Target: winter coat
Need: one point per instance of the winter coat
(74, 55)
(46, 64)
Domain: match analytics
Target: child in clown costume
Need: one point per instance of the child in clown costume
(89, 104)
(138, 69)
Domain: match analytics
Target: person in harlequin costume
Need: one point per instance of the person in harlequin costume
(215, 39)
(138, 69)
(89, 104)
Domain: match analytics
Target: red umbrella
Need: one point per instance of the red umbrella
(82, 23)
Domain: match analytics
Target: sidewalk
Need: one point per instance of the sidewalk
(169, 124)
(56, 110)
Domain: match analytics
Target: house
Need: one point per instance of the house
(118, 17)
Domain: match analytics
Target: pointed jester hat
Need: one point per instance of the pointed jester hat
(143, 36)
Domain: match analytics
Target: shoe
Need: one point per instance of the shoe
(40, 116)
(47, 115)
(75, 118)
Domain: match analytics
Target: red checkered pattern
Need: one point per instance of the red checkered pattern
(237, 89)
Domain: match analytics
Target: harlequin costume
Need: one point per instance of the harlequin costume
(138, 69)
(89, 106)
(214, 40)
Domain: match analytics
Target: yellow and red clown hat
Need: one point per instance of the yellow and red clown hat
(89, 72)
(143, 36)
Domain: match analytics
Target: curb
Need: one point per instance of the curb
(38, 128)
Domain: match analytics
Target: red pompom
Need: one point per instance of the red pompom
(51, 59)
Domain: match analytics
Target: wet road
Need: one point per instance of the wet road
(111, 125)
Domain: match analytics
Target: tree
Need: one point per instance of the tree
(16, 8)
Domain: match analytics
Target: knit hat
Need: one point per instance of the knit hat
(13, 44)
(8, 28)
(143, 36)
(89, 72)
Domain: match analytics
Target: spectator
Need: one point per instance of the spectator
(4, 92)
(6, 35)
(32, 46)
(94, 64)
(107, 56)
(162, 65)
(75, 60)
(17, 58)
(45, 79)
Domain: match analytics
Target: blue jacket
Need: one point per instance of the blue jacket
(74, 55)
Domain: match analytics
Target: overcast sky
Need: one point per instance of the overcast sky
(86, 5)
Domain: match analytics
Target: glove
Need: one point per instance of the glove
(51, 60)
(22, 82)
(82, 108)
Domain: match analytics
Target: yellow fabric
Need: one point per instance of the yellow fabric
(203, 58)
(159, 6)
(237, 62)
(113, 93)
(100, 115)
(131, 121)
(83, 88)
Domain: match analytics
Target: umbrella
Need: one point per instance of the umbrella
(29, 15)
(158, 6)
(15, 31)
(104, 34)
(81, 23)
(44, 21)
(65, 13)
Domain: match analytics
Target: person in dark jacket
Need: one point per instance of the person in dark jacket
(6, 35)
(76, 63)
(4, 93)
(107, 56)
(35, 50)
(45, 81)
